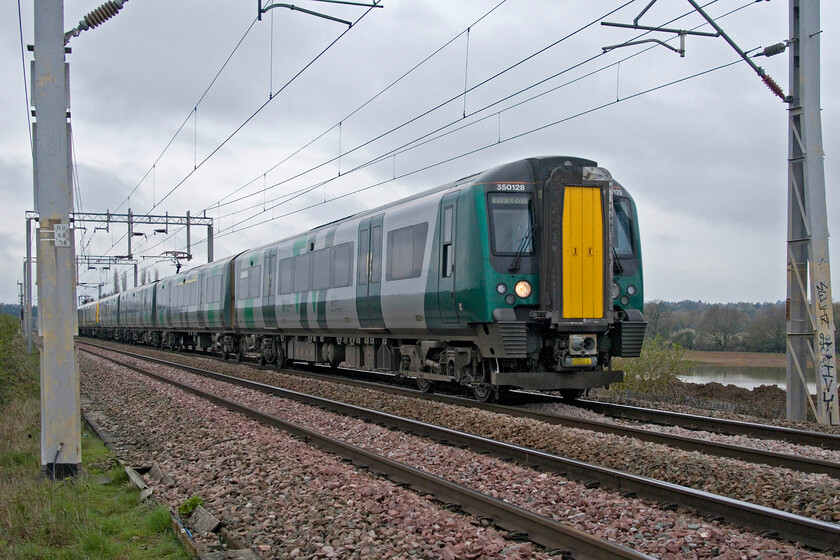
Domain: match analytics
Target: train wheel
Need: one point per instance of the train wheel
(484, 392)
(425, 385)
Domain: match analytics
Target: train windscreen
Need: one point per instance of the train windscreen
(622, 237)
(510, 224)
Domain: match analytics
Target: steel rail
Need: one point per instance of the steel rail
(719, 425)
(540, 529)
(718, 449)
(796, 528)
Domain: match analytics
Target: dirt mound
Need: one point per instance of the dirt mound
(767, 401)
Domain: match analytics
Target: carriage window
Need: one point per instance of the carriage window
(286, 276)
(321, 269)
(256, 274)
(342, 264)
(406, 247)
(510, 223)
(622, 239)
(301, 283)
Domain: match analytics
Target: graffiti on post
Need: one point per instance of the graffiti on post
(824, 338)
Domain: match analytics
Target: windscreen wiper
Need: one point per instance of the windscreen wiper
(616, 262)
(517, 258)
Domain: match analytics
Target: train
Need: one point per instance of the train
(527, 275)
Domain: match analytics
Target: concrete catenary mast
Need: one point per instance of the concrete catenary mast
(61, 447)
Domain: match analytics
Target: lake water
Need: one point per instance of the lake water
(747, 377)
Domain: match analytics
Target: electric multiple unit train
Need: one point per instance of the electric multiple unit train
(527, 275)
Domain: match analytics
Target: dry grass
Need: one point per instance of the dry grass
(737, 359)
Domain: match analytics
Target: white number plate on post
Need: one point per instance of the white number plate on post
(62, 235)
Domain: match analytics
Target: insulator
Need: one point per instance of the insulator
(101, 14)
(773, 50)
(774, 87)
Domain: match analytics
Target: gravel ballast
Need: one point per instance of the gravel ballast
(633, 523)
(811, 495)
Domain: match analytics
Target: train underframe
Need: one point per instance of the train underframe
(496, 359)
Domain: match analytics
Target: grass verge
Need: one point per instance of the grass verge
(93, 516)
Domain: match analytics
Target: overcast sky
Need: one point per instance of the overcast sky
(705, 158)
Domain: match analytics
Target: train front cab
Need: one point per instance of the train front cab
(570, 257)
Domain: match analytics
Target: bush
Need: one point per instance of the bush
(18, 371)
(189, 505)
(656, 370)
(685, 338)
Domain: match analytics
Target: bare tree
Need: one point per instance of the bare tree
(124, 280)
(767, 331)
(157, 275)
(144, 277)
(721, 324)
(116, 281)
(655, 313)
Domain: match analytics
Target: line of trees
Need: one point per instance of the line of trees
(743, 327)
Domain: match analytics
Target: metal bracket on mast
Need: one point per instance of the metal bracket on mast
(263, 9)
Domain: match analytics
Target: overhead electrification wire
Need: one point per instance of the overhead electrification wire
(25, 85)
(187, 119)
(296, 194)
(241, 126)
(261, 107)
(360, 107)
(424, 138)
(302, 191)
(240, 227)
(443, 103)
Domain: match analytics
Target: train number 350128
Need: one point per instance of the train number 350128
(510, 187)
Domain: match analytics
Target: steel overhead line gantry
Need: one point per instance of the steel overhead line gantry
(809, 309)
(165, 220)
(131, 220)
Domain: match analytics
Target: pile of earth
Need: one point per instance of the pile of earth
(765, 401)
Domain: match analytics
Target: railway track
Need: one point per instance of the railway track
(818, 534)
(717, 425)
(718, 449)
(539, 529)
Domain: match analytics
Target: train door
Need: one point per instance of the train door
(269, 287)
(446, 279)
(369, 274)
(583, 253)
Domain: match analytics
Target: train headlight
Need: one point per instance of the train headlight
(523, 289)
(625, 300)
(502, 289)
(615, 290)
(510, 299)
(631, 290)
